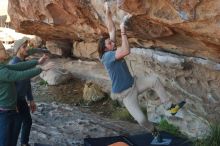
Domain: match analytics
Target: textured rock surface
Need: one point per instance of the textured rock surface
(3, 19)
(63, 125)
(92, 92)
(93, 71)
(175, 26)
(56, 76)
(62, 48)
(35, 42)
(85, 50)
(193, 79)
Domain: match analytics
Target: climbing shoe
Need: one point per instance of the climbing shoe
(175, 108)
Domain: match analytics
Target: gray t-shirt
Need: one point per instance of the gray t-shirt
(118, 72)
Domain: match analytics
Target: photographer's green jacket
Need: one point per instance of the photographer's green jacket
(8, 75)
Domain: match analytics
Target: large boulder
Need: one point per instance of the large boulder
(85, 50)
(57, 75)
(92, 92)
(62, 48)
(35, 42)
(194, 79)
(175, 26)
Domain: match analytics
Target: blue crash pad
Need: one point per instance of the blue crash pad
(144, 139)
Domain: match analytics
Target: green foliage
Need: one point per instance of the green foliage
(165, 126)
(212, 140)
(43, 83)
(82, 102)
(122, 114)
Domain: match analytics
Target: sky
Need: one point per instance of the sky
(3, 7)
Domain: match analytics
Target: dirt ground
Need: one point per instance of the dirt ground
(71, 93)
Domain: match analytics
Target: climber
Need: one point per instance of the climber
(125, 87)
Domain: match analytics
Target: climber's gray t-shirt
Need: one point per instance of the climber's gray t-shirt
(118, 72)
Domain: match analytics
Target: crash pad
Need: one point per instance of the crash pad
(143, 139)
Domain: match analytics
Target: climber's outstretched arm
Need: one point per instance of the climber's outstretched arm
(109, 22)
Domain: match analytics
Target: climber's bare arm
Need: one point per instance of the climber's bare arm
(124, 50)
(109, 22)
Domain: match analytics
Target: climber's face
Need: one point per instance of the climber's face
(109, 44)
(23, 50)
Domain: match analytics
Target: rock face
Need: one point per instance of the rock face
(85, 50)
(62, 48)
(62, 125)
(194, 79)
(56, 76)
(92, 92)
(175, 26)
(35, 42)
